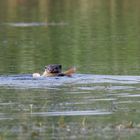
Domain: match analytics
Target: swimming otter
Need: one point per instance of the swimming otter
(55, 70)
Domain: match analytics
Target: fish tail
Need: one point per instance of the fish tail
(70, 71)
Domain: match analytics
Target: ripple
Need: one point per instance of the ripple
(36, 24)
(109, 79)
(26, 81)
(2, 117)
(72, 113)
(131, 95)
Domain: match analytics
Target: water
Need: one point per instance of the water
(84, 106)
(101, 39)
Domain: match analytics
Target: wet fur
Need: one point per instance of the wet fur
(69, 72)
(55, 70)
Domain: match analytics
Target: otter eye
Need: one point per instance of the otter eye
(45, 67)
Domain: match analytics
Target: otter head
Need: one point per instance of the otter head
(53, 68)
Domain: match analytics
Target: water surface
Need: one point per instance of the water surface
(101, 39)
(82, 106)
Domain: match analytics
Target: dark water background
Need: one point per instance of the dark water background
(101, 39)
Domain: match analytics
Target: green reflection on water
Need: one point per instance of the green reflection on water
(96, 36)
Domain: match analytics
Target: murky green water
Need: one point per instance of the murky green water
(100, 38)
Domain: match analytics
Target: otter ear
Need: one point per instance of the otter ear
(60, 66)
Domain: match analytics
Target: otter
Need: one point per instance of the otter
(55, 70)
